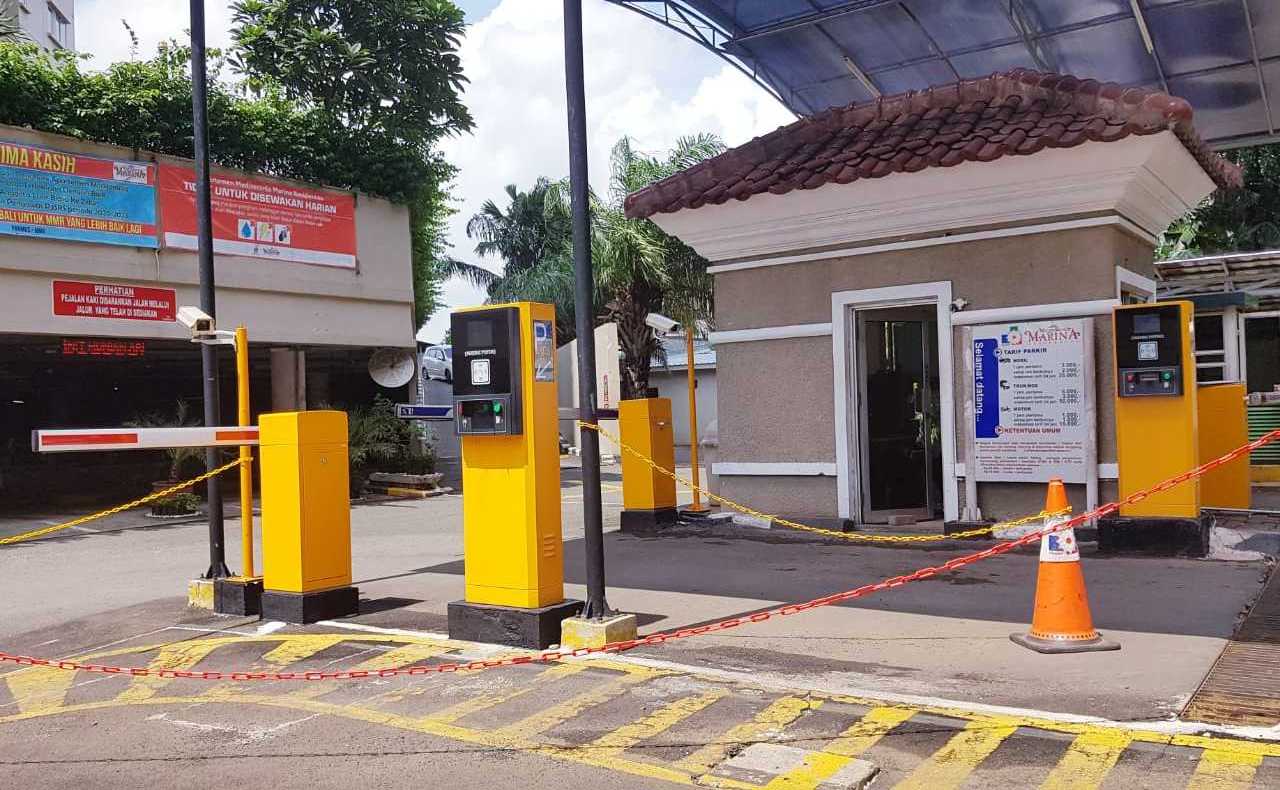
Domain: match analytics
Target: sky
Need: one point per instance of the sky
(642, 81)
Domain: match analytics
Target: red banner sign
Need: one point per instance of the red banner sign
(113, 300)
(261, 218)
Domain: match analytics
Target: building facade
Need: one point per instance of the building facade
(50, 24)
(97, 252)
(858, 253)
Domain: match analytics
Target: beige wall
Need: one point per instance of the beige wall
(280, 302)
(776, 397)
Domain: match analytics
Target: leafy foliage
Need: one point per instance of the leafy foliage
(386, 66)
(638, 268)
(377, 440)
(1240, 220)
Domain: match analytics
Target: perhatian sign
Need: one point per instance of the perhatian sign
(1031, 419)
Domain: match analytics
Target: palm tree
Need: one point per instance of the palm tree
(638, 268)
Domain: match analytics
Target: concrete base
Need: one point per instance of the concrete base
(1161, 537)
(576, 632)
(200, 593)
(647, 521)
(508, 625)
(1063, 645)
(310, 607)
(238, 595)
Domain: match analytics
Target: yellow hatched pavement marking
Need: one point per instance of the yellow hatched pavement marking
(1088, 760)
(778, 715)
(544, 720)
(468, 706)
(1223, 769)
(856, 739)
(403, 656)
(657, 722)
(301, 646)
(952, 764)
(39, 689)
(180, 656)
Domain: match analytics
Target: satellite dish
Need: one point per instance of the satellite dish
(391, 367)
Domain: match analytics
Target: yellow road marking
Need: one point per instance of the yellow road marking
(468, 706)
(657, 722)
(301, 647)
(404, 656)
(856, 739)
(39, 689)
(1088, 760)
(952, 764)
(178, 656)
(773, 718)
(1221, 769)
(547, 718)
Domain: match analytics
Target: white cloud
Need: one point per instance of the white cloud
(100, 33)
(642, 80)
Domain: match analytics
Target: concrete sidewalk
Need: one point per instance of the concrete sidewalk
(945, 637)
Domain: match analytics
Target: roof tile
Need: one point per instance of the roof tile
(1019, 112)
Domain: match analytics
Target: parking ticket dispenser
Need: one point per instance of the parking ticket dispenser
(1156, 412)
(488, 383)
(505, 405)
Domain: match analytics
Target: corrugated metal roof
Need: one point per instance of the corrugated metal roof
(1223, 56)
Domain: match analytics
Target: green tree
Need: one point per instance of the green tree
(638, 268)
(1239, 220)
(376, 65)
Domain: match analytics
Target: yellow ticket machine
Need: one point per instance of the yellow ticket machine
(1157, 420)
(505, 410)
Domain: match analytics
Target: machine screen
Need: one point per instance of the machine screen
(1146, 324)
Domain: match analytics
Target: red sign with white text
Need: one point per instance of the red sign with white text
(113, 300)
(261, 218)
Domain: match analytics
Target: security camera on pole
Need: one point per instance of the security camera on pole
(233, 594)
(667, 327)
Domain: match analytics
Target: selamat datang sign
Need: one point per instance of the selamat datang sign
(261, 218)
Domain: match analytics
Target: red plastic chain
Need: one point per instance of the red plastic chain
(663, 637)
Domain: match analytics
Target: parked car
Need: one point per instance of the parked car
(437, 362)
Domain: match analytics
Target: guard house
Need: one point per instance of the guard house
(862, 253)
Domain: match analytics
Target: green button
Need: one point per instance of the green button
(1167, 376)
(497, 408)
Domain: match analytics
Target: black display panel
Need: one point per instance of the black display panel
(1148, 350)
(486, 371)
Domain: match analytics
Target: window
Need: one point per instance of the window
(59, 27)
(1211, 354)
(1262, 343)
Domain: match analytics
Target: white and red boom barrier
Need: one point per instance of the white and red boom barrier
(82, 439)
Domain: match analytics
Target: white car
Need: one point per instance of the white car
(437, 362)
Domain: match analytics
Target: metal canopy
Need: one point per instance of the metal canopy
(1223, 56)
(1255, 275)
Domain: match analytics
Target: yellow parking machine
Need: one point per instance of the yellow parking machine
(1157, 430)
(505, 410)
(306, 517)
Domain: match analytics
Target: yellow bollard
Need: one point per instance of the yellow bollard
(648, 497)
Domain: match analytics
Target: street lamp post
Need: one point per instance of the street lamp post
(583, 304)
(204, 234)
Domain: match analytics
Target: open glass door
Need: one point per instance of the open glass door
(901, 456)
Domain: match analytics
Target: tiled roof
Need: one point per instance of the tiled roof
(1016, 113)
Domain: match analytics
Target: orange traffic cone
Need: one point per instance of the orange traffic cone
(1061, 622)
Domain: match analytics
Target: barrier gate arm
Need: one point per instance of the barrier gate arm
(88, 439)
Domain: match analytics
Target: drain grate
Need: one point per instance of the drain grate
(1243, 687)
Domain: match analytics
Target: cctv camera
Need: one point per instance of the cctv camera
(197, 320)
(661, 323)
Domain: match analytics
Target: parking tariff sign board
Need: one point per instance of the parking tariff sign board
(1031, 419)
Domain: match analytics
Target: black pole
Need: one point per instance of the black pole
(204, 225)
(584, 311)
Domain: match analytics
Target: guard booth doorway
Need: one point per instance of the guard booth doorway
(898, 393)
